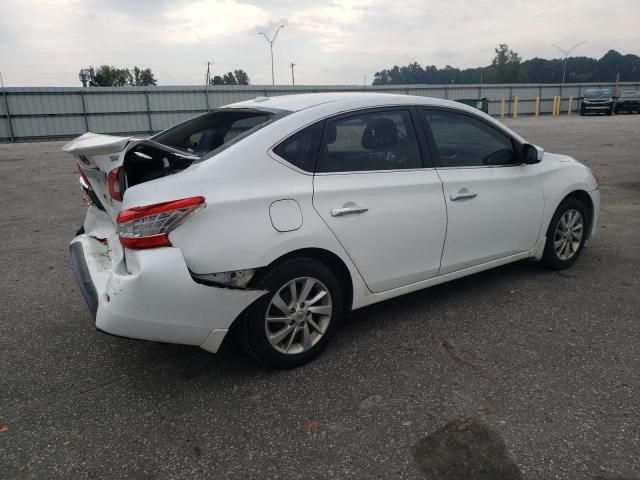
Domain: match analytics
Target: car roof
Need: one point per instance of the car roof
(295, 103)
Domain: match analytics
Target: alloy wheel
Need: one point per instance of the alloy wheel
(298, 315)
(568, 234)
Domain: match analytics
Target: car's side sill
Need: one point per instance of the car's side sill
(371, 298)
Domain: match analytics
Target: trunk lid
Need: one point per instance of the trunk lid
(125, 161)
(97, 156)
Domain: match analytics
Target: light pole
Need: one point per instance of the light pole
(293, 77)
(566, 54)
(271, 41)
(207, 76)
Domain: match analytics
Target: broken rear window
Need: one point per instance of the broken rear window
(205, 133)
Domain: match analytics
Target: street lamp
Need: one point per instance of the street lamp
(271, 41)
(566, 54)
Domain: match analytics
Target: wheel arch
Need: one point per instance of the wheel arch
(583, 197)
(326, 257)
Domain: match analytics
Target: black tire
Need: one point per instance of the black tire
(582, 112)
(251, 330)
(550, 258)
(609, 112)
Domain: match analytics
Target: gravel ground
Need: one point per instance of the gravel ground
(533, 371)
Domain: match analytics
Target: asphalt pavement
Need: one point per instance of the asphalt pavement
(517, 372)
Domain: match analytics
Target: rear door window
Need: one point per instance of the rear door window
(378, 140)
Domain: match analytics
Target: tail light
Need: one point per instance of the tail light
(149, 226)
(114, 184)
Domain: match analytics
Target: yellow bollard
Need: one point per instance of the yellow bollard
(515, 107)
(502, 108)
(553, 107)
(537, 114)
(570, 107)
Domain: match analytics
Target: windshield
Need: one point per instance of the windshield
(599, 93)
(207, 132)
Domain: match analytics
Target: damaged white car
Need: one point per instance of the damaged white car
(273, 217)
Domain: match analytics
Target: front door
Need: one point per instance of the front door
(494, 201)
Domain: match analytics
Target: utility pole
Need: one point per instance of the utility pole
(566, 54)
(271, 41)
(207, 77)
(293, 77)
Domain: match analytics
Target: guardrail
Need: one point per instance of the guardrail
(60, 112)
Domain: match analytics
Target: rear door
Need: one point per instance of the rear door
(381, 199)
(494, 201)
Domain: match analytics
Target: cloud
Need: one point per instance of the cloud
(46, 42)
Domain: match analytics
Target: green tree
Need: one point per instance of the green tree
(143, 77)
(506, 66)
(237, 77)
(110, 76)
(241, 77)
(229, 79)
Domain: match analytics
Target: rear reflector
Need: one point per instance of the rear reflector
(149, 226)
(113, 184)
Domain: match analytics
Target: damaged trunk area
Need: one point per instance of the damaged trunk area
(175, 149)
(108, 164)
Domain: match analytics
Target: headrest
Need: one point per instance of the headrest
(331, 133)
(381, 133)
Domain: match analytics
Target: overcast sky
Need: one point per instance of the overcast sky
(46, 42)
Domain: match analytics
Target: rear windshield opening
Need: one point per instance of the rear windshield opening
(210, 131)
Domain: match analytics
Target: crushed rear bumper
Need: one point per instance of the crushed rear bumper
(150, 294)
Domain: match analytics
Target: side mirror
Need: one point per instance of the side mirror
(532, 153)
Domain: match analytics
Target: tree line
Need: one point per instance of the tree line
(507, 67)
(110, 76)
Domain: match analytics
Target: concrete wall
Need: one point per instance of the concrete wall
(56, 112)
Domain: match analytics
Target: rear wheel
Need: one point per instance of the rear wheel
(295, 321)
(566, 235)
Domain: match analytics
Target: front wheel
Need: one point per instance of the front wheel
(566, 235)
(295, 321)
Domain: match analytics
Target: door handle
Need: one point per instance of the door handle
(463, 194)
(339, 212)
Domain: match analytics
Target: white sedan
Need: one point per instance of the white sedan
(271, 218)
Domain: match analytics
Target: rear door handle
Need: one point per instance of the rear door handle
(340, 212)
(463, 194)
